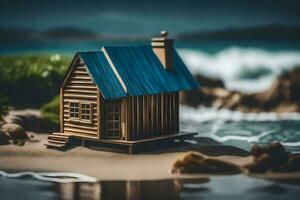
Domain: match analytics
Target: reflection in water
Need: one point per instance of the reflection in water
(127, 190)
(233, 187)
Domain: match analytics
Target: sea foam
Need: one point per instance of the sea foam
(58, 177)
(234, 64)
(205, 114)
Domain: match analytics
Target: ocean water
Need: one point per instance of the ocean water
(214, 188)
(242, 129)
(245, 66)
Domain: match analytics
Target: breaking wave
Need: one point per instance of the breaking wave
(244, 129)
(205, 114)
(242, 69)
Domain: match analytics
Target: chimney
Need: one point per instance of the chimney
(163, 48)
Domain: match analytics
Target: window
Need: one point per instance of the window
(79, 111)
(86, 111)
(74, 110)
(113, 128)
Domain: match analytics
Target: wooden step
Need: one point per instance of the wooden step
(60, 134)
(55, 145)
(58, 137)
(57, 141)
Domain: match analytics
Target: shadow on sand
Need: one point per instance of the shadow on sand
(203, 145)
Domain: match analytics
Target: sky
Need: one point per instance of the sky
(145, 16)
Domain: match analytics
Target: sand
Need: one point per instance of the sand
(104, 165)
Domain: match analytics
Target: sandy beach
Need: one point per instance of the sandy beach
(95, 162)
(104, 165)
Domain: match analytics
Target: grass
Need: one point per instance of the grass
(50, 111)
(31, 80)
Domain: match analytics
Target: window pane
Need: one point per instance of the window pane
(110, 116)
(110, 125)
(109, 108)
(116, 108)
(73, 110)
(116, 133)
(85, 111)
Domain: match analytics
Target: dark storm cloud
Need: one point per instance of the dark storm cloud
(144, 16)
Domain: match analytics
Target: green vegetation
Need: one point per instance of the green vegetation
(50, 111)
(31, 80)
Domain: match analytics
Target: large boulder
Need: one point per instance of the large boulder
(14, 131)
(282, 96)
(272, 157)
(293, 164)
(4, 139)
(194, 162)
(2, 123)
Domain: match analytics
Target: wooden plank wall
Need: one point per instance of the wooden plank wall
(80, 87)
(152, 115)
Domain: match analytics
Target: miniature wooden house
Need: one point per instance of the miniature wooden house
(123, 94)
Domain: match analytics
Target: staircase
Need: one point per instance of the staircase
(58, 140)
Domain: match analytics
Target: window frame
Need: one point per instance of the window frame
(89, 114)
(110, 132)
(70, 107)
(79, 119)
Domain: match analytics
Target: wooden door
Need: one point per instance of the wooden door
(113, 120)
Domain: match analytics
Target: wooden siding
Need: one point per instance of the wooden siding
(79, 87)
(151, 115)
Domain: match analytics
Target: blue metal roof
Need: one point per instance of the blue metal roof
(103, 75)
(139, 69)
(143, 73)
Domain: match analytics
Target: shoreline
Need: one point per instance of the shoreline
(112, 166)
(104, 165)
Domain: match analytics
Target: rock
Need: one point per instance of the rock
(272, 157)
(292, 165)
(282, 96)
(4, 139)
(14, 131)
(209, 82)
(278, 153)
(2, 123)
(194, 162)
(262, 164)
(257, 150)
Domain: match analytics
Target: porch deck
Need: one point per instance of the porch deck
(132, 145)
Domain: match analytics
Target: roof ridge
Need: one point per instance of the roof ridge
(114, 69)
